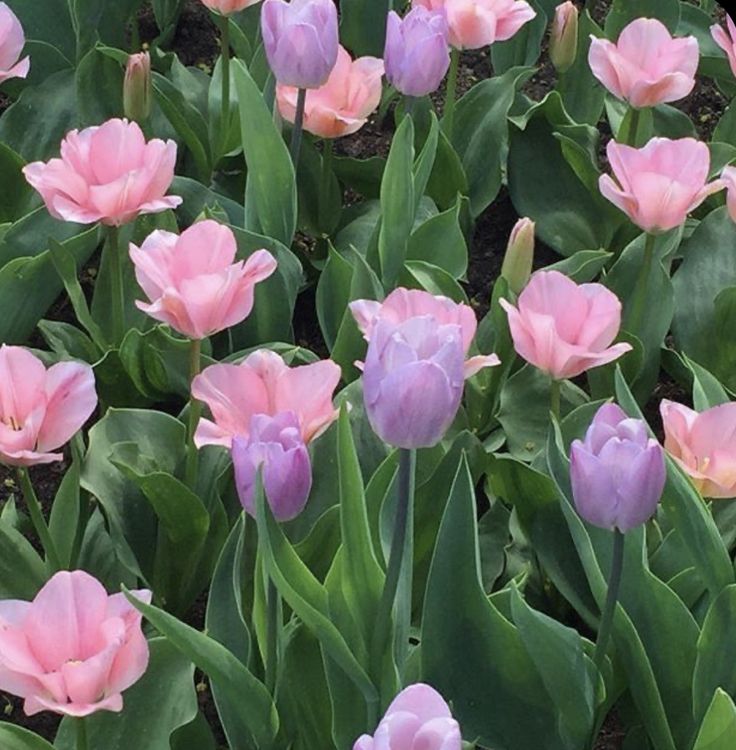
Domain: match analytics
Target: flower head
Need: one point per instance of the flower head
(12, 41)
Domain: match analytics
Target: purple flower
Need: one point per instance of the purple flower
(617, 472)
(275, 444)
(417, 53)
(301, 40)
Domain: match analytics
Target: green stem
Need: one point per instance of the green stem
(272, 636)
(402, 537)
(638, 305)
(114, 253)
(555, 398)
(81, 734)
(224, 24)
(195, 411)
(39, 522)
(296, 132)
(633, 134)
(324, 183)
(614, 583)
(448, 120)
(409, 104)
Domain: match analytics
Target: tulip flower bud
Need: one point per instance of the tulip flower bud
(274, 445)
(617, 472)
(563, 43)
(417, 54)
(517, 263)
(301, 40)
(137, 87)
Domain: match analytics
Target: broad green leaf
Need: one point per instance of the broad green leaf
(65, 517)
(718, 729)
(22, 571)
(441, 242)
(623, 12)
(13, 737)
(363, 25)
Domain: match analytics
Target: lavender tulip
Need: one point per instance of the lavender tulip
(617, 472)
(417, 53)
(274, 444)
(301, 40)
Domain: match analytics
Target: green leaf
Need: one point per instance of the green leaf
(583, 266)
(624, 12)
(65, 516)
(525, 47)
(22, 571)
(15, 190)
(16, 738)
(719, 725)
(441, 242)
(363, 25)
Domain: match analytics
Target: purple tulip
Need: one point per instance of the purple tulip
(417, 53)
(275, 444)
(301, 40)
(617, 472)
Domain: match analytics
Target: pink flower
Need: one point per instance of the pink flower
(479, 23)
(227, 7)
(264, 384)
(728, 178)
(40, 409)
(106, 173)
(417, 719)
(564, 328)
(12, 41)
(647, 66)
(342, 106)
(192, 280)
(73, 649)
(704, 444)
(658, 185)
(726, 41)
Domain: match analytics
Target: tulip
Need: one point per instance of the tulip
(342, 106)
(519, 258)
(192, 280)
(301, 41)
(564, 328)
(106, 173)
(728, 177)
(617, 472)
(416, 56)
(417, 719)
(563, 45)
(726, 40)
(137, 87)
(704, 445)
(275, 445)
(228, 7)
(73, 650)
(647, 66)
(40, 409)
(658, 185)
(416, 356)
(264, 384)
(12, 41)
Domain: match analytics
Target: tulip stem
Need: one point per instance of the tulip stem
(642, 286)
(448, 120)
(195, 411)
(272, 635)
(81, 734)
(296, 132)
(39, 522)
(114, 254)
(400, 561)
(324, 184)
(633, 134)
(555, 390)
(614, 583)
(224, 24)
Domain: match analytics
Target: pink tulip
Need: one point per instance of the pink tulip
(264, 384)
(192, 280)
(12, 41)
(417, 719)
(137, 87)
(73, 649)
(228, 7)
(726, 41)
(106, 173)
(342, 106)
(564, 328)
(647, 66)
(40, 409)
(658, 185)
(563, 41)
(479, 23)
(728, 178)
(704, 444)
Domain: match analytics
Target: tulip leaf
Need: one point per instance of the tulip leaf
(22, 571)
(525, 47)
(440, 241)
(624, 12)
(363, 25)
(65, 516)
(13, 737)
(167, 685)
(257, 720)
(719, 725)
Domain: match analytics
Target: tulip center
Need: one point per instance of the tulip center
(703, 463)
(12, 422)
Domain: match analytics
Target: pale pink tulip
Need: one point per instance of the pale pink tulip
(40, 409)
(726, 41)
(73, 649)
(564, 328)
(106, 173)
(704, 444)
(342, 106)
(192, 280)
(728, 177)
(479, 23)
(647, 66)
(658, 185)
(227, 7)
(12, 41)
(264, 384)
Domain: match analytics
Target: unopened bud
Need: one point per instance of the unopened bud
(563, 45)
(517, 263)
(137, 87)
